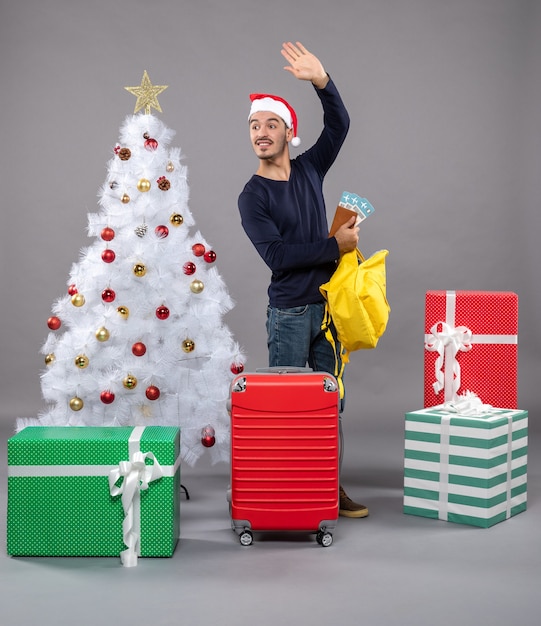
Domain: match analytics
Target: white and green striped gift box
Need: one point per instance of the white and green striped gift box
(468, 470)
(66, 489)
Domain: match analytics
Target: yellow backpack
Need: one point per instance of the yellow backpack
(356, 303)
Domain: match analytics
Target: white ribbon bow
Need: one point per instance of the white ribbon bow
(447, 342)
(468, 404)
(136, 475)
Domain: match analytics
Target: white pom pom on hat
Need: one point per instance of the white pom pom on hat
(275, 104)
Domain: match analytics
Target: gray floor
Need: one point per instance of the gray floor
(388, 569)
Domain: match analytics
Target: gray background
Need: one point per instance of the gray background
(445, 143)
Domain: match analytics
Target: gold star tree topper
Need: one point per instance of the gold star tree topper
(147, 94)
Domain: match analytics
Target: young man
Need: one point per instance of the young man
(283, 213)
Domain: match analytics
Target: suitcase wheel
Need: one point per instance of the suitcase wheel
(324, 539)
(246, 538)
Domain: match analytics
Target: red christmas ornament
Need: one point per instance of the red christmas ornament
(108, 295)
(54, 323)
(208, 438)
(210, 256)
(161, 231)
(189, 268)
(198, 249)
(139, 348)
(107, 234)
(152, 392)
(151, 144)
(108, 256)
(72, 290)
(162, 312)
(107, 397)
(237, 368)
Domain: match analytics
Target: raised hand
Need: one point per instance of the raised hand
(303, 64)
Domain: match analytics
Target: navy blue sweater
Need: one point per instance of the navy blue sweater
(287, 221)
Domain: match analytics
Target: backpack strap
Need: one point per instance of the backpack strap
(339, 363)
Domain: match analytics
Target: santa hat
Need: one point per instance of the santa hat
(275, 104)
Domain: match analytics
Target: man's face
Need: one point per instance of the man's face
(269, 134)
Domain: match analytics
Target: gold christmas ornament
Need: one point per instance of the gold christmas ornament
(170, 167)
(50, 359)
(125, 199)
(102, 334)
(76, 404)
(139, 269)
(78, 299)
(123, 311)
(188, 345)
(82, 361)
(197, 286)
(143, 184)
(130, 382)
(176, 219)
(147, 94)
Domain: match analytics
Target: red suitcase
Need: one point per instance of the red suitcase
(284, 453)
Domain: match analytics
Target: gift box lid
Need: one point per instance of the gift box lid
(89, 445)
(494, 312)
(489, 420)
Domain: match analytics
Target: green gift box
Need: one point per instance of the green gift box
(466, 469)
(94, 491)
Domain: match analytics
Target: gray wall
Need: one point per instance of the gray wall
(443, 96)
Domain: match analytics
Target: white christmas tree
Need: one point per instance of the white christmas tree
(139, 339)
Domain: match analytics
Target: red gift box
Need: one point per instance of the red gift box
(471, 345)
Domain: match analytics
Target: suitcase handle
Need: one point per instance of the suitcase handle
(282, 369)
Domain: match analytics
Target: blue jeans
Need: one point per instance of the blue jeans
(295, 339)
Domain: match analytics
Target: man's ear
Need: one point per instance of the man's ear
(289, 134)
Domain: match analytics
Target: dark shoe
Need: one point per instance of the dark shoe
(348, 508)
